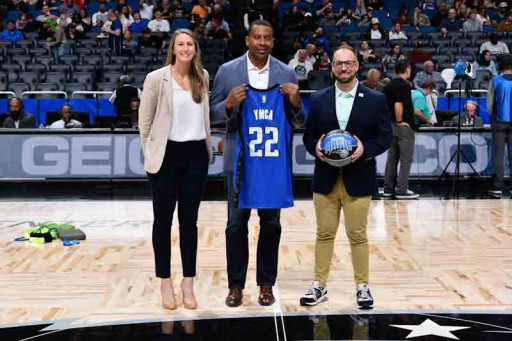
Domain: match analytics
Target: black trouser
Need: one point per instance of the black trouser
(501, 136)
(181, 178)
(237, 244)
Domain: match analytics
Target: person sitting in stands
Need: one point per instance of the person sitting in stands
(18, 119)
(66, 121)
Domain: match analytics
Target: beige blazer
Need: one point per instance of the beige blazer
(155, 118)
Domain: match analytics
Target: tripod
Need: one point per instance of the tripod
(458, 152)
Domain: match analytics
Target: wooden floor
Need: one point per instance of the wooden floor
(425, 255)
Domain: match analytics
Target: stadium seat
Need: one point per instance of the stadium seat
(112, 68)
(462, 42)
(47, 87)
(70, 88)
(38, 51)
(106, 86)
(319, 79)
(26, 44)
(90, 44)
(69, 60)
(143, 60)
(38, 68)
(63, 68)
(120, 60)
(81, 51)
(3, 81)
(94, 60)
(22, 60)
(12, 69)
(47, 61)
(31, 78)
(136, 68)
(19, 88)
(440, 58)
(111, 77)
(149, 51)
(449, 51)
(139, 77)
(85, 68)
(86, 78)
(482, 78)
(57, 78)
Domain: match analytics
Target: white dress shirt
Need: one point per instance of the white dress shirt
(258, 78)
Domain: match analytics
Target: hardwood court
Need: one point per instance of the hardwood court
(426, 254)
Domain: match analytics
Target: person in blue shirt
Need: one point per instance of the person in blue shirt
(11, 33)
(318, 39)
(452, 23)
(137, 25)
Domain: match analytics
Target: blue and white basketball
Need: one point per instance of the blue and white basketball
(338, 147)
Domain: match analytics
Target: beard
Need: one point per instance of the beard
(345, 80)
(15, 114)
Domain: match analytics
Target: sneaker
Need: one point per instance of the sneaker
(387, 194)
(495, 193)
(364, 297)
(407, 195)
(315, 294)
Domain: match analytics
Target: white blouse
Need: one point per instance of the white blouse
(188, 116)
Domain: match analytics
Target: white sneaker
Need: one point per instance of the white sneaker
(364, 297)
(314, 295)
(407, 195)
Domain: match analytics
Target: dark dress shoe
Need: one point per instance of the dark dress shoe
(234, 298)
(266, 297)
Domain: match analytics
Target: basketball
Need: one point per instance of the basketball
(338, 147)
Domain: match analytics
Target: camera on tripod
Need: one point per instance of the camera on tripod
(463, 69)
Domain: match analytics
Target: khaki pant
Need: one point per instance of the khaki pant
(355, 210)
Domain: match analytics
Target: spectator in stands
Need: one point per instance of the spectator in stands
(484, 17)
(469, 118)
(200, 32)
(45, 15)
(452, 24)
(148, 40)
(418, 55)
(311, 53)
(398, 95)
(441, 15)
(252, 14)
(394, 55)
(506, 25)
(307, 24)
(158, 24)
(472, 24)
(21, 22)
(63, 20)
(45, 32)
(375, 4)
(373, 80)
(429, 5)
(216, 30)
(499, 105)
(422, 114)
(485, 63)
(126, 18)
(323, 8)
(18, 118)
(219, 20)
(70, 8)
(10, 33)
(323, 63)
(17, 5)
(32, 25)
(49, 3)
(429, 74)
(502, 12)
(375, 32)
(494, 45)
(364, 24)
(86, 21)
(101, 17)
(225, 7)
(329, 19)
(291, 19)
(345, 18)
(202, 9)
(419, 18)
(179, 11)
(302, 67)
(137, 25)
(403, 17)
(134, 112)
(396, 33)
(123, 94)
(360, 9)
(462, 12)
(318, 40)
(166, 9)
(146, 8)
(66, 121)
(129, 44)
(114, 31)
(366, 55)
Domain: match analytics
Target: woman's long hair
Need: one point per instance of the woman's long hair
(196, 74)
(481, 59)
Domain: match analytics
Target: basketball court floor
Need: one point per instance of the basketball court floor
(440, 270)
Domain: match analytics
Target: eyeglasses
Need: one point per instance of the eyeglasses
(346, 63)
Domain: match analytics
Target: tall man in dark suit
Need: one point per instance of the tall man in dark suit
(350, 106)
(259, 69)
(18, 119)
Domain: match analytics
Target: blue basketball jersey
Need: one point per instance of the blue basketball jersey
(262, 171)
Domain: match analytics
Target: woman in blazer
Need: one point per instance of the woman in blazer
(175, 135)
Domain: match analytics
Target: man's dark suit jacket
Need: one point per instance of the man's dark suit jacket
(26, 121)
(369, 121)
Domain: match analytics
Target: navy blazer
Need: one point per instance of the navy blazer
(369, 120)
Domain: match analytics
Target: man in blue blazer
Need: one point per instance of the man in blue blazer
(349, 106)
(260, 70)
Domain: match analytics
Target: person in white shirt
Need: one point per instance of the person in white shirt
(146, 8)
(100, 17)
(66, 121)
(311, 51)
(395, 32)
(495, 46)
(301, 66)
(158, 24)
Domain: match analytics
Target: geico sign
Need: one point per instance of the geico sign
(82, 155)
